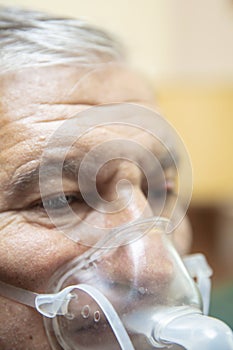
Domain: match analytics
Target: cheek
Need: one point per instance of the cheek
(21, 327)
(29, 254)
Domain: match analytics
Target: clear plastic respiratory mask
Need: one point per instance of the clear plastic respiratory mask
(130, 290)
(138, 295)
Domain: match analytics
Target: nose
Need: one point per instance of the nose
(144, 263)
(134, 207)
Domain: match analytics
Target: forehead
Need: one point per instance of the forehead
(39, 92)
(35, 102)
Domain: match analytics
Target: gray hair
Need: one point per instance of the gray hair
(31, 38)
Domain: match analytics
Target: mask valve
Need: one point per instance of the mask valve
(193, 331)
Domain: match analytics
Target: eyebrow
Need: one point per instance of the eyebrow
(25, 181)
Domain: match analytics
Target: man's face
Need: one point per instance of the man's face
(33, 104)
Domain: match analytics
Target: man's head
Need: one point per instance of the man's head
(50, 70)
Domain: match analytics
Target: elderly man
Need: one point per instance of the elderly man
(54, 70)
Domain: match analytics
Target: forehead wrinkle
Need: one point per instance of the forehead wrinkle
(41, 114)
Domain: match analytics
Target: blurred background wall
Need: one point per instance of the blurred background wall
(185, 48)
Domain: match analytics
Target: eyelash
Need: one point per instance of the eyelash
(161, 192)
(57, 202)
(168, 190)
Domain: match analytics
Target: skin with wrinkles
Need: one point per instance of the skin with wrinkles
(34, 102)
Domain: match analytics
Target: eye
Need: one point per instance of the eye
(159, 193)
(160, 190)
(61, 201)
(58, 211)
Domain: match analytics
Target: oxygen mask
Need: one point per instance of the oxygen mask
(135, 293)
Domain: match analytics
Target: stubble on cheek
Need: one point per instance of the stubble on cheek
(21, 327)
